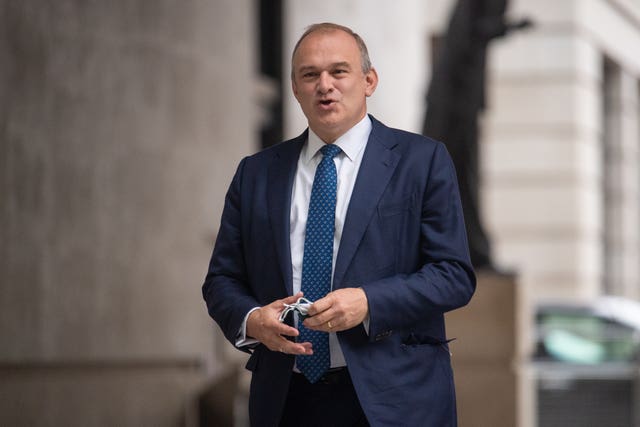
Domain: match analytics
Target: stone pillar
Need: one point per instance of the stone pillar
(486, 352)
(543, 146)
(542, 152)
(121, 124)
(622, 181)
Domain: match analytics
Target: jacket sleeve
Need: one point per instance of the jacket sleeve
(225, 289)
(445, 280)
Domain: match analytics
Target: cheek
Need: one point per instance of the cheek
(351, 91)
(305, 101)
(303, 96)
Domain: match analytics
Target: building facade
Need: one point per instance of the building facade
(121, 128)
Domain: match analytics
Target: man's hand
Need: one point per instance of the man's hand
(263, 325)
(338, 310)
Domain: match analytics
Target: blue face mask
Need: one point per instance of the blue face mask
(301, 307)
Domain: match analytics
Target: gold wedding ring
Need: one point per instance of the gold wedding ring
(329, 324)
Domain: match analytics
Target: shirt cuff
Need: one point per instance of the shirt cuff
(365, 323)
(241, 337)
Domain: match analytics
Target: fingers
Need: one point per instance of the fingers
(339, 310)
(265, 326)
(291, 299)
(271, 326)
(284, 345)
(326, 321)
(321, 305)
(321, 312)
(277, 342)
(297, 349)
(284, 329)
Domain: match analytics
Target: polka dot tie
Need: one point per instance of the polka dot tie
(317, 259)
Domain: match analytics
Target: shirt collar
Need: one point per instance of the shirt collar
(351, 143)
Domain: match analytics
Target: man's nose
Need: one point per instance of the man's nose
(325, 82)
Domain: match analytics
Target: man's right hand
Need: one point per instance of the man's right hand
(263, 324)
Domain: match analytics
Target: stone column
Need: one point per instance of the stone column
(121, 124)
(622, 181)
(542, 152)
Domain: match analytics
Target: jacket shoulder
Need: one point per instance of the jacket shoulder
(405, 139)
(281, 148)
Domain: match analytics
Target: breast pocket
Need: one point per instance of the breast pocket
(392, 215)
(392, 208)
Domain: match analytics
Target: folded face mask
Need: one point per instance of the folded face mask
(301, 307)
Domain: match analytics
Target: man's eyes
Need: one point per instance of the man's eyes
(315, 74)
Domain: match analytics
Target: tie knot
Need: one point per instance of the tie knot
(330, 150)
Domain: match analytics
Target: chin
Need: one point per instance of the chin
(331, 127)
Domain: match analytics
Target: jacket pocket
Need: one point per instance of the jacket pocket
(387, 209)
(252, 363)
(417, 339)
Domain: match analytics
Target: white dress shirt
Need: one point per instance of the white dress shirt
(352, 144)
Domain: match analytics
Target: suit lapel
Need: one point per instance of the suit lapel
(377, 167)
(280, 177)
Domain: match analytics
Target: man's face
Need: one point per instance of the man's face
(329, 84)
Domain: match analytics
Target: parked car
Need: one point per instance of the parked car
(587, 363)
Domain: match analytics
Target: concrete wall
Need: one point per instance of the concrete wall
(542, 150)
(485, 353)
(121, 124)
(543, 147)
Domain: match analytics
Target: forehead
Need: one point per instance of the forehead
(332, 46)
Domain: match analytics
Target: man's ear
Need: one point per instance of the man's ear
(294, 88)
(371, 80)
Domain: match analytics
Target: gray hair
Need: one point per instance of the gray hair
(327, 27)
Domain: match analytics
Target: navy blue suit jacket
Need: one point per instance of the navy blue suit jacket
(403, 242)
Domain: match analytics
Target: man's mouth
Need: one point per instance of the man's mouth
(326, 102)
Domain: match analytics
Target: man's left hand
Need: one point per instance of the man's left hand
(338, 310)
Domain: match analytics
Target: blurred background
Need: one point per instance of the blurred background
(122, 122)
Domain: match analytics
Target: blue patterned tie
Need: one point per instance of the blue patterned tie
(317, 259)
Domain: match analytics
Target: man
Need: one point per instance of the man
(372, 349)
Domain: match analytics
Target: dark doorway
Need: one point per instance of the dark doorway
(271, 60)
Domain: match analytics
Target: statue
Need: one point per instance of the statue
(456, 97)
